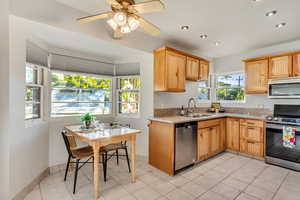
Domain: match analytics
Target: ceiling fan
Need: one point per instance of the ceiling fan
(124, 18)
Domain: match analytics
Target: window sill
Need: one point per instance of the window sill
(29, 123)
(128, 116)
(233, 102)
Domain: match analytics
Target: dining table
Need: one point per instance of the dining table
(98, 138)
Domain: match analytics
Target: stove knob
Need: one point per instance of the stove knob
(269, 118)
(275, 118)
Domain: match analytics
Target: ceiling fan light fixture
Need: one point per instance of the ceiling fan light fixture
(133, 23)
(125, 29)
(112, 24)
(120, 18)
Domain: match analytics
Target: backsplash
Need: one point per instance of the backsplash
(164, 112)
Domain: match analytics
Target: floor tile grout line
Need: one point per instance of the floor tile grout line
(223, 180)
(280, 185)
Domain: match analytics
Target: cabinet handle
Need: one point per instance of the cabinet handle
(251, 123)
(251, 128)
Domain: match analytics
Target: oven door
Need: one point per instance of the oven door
(274, 144)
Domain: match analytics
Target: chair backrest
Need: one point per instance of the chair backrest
(70, 142)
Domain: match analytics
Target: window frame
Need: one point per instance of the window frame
(229, 101)
(52, 116)
(40, 84)
(209, 87)
(118, 102)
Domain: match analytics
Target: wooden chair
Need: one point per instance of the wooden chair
(77, 154)
(114, 148)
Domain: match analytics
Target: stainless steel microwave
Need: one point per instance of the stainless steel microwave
(288, 88)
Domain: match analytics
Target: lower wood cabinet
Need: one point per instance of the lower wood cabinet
(161, 146)
(252, 147)
(211, 138)
(233, 134)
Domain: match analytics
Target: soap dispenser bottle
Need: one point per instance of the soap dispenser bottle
(182, 112)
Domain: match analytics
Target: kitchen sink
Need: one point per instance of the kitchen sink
(198, 115)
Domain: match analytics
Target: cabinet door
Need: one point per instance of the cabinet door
(233, 134)
(257, 77)
(192, 69)
(204, 71)
(175, 71)
(296, 65)
(251, 133)
(252, 148)
(203, 143)
(280, 67)
(215, 139)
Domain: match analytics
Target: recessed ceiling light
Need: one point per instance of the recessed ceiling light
(185, 28)
(203, 36)
(271, 13)
(217, 43)
(256, 0)
(280, 25)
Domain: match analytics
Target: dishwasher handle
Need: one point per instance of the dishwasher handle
(187, 125)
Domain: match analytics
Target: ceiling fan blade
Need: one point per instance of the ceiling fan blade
(115, 4)
(95, 17)
(149, 6)
(148, 27)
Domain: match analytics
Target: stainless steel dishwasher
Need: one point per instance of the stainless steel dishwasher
(185, 144)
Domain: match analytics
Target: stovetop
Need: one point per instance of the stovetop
(283, 120)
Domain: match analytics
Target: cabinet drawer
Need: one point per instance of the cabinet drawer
(252, 148)
(209, 123)
(252, 122)
(252, 133)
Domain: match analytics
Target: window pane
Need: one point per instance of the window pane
(94, 95)
(203, 84)
(32, 110)
(80, 108)
(129, 96)
(231, 81)
(127, 108)
(31, 75)
(203, 93)
(234, 94)
(64, 95)
(130, 83)
(79, 81)
(33, 94)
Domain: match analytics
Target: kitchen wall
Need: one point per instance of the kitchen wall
(234, 63)
(4, 100)
(28, 142)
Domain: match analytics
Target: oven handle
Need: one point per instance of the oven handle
(279, 127)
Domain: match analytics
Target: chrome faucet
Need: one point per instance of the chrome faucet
(189, 105)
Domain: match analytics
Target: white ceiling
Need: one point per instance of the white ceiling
(239, 25)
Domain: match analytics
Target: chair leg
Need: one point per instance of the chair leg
(103, 165)
(117, 152)
(67, 168)
(76, 174)
(128, 163)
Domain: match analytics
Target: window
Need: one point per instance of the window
(203, 91)
(230, 87)
(75, 94)
(34, 91)
(128, 95)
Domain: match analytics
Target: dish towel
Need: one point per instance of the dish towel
(289, 134)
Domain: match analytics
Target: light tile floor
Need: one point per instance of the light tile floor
(224, 177)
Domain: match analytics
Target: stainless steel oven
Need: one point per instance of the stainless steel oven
(276, 152)
(284, 88)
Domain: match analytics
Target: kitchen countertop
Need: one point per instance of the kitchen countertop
(183, 119)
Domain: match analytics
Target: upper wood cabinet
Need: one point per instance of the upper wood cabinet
(172, 67)
(169, 71)
(257, 76)
(204, 70)
(280, 66)
(192, 69)
(296, 64)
